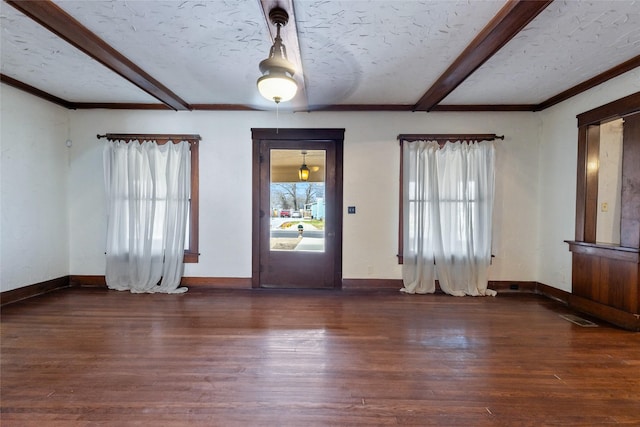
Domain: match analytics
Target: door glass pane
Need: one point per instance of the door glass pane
(297, 204)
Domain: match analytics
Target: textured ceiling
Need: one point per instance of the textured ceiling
(35, 56)
(205, 51)
(568, 43)
(357, 52)
(353, 52)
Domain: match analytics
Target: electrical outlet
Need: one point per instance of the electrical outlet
(351, 210)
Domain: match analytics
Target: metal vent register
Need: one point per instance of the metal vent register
(579, 321)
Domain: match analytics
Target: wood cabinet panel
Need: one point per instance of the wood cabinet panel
(605, 277)
(609, 281)
(591, 190)
(618, 284)
(586, 277)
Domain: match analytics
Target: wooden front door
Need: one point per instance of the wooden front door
(297, 219)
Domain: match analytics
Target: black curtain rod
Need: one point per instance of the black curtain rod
(449, 137)
(139, 136)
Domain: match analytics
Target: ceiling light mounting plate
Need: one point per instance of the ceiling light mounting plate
(278, 16)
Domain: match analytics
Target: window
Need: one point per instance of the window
(462, 202)
(191, 253)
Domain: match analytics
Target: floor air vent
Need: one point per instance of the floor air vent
(579, 321)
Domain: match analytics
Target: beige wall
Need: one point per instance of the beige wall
(535, 184)
(34, 229)
(371, 174)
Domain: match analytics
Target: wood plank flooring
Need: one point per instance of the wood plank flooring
(84, 356)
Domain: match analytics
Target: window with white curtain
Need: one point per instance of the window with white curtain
(453, 199)
(191, 243)
(149, 189)
(446, 206)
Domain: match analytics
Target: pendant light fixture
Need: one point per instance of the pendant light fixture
(277, 83)
(303, 172)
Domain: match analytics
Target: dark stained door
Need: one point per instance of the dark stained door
(297, 223)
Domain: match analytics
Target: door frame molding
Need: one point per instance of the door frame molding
(301, 134)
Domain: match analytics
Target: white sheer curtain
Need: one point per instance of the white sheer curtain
(447, 207)
(148, 187)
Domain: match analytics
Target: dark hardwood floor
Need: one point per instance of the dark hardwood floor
(86, 356)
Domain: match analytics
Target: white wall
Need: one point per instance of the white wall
(535, 184)
(371, 183)
(558, 154)
(34, 166)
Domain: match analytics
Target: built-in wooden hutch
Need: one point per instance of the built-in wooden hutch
(606, 249)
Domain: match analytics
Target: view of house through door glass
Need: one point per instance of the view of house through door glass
(297, 200)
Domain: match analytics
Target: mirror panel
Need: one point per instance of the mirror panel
(609, 168)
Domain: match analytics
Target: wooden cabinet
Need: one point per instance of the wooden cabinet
(605, 282)
(606, 277)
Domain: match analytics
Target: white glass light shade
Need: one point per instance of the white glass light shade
(277, 87)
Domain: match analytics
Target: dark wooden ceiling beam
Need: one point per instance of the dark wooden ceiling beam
(36, 92)
(359, 107)
(509, 21)
(52, 17)
(289, 35)
(119, 106)
(483, 107)
(591, 83)
(407, 107)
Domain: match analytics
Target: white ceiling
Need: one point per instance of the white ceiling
(568, 43)
(353, 52)
(358, 52)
